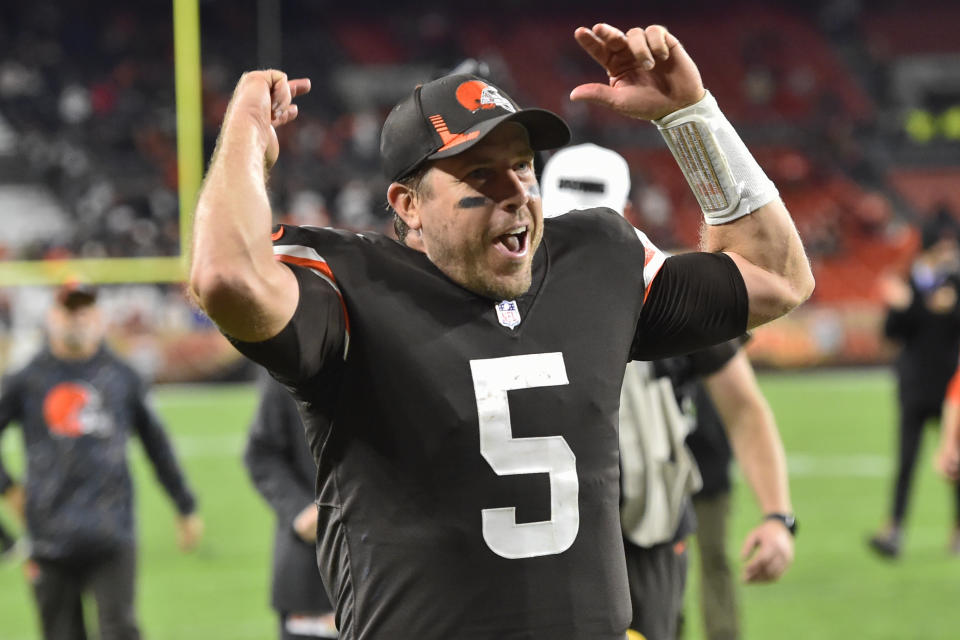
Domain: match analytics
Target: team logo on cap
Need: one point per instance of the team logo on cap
(74, 409)
(508, 313)
(474, 95)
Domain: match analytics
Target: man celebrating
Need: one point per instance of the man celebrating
(77, 405)
(460, 394)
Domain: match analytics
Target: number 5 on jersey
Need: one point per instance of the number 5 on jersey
(492, 379)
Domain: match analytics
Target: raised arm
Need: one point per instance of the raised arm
(233, 275)
(651, 77)
(759, 452)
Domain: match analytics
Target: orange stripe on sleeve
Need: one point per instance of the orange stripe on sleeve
(320, 266)
(324, 269)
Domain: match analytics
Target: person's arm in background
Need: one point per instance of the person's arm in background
(651, 77)
(900, 322)
(947, 458)
(157, 445)
(10, 411)
(270, 460)
(758, 449)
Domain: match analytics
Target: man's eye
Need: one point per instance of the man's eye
(479, 174)
(523, 165)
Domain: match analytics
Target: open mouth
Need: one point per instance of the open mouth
(513, 243)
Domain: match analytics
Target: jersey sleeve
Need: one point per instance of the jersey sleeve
(159, 449)
(317, 335)
(694, 300)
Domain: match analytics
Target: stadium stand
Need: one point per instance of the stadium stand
(87, 121)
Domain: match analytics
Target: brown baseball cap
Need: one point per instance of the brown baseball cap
(449, 115)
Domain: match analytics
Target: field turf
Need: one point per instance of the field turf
(839, 433)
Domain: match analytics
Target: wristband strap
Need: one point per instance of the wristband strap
(723, 174)
(788, 520)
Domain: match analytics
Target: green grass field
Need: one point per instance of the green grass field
(839, 434)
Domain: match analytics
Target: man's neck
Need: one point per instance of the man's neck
(63, 352)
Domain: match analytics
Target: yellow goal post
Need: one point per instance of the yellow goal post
(186, 44)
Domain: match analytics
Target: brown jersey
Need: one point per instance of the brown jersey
(467, 448)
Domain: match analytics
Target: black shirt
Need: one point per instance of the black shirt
(468, 471)
(930, 345)
(76, 418)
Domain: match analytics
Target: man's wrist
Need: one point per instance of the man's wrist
(722, 173)
(787, 519)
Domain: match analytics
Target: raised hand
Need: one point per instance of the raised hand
(650, 73)
(267, 96)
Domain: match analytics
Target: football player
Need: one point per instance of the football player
(461, 400)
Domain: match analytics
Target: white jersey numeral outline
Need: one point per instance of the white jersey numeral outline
(492, 379)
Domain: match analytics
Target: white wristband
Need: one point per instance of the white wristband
(726, 180)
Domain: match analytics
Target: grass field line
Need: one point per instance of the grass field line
(210, 446)
(860, 465)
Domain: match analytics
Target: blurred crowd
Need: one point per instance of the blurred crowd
(88, 155)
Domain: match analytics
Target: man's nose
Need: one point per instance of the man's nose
(515, 192)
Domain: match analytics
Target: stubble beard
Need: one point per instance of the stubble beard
(476, 277)
(513, 288)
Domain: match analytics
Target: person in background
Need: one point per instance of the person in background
(924, 318)
(711, 391)
(282, 469)
(77, 405)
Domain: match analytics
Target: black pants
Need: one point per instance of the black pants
(59, 587)
(913, 418)
(657, 577)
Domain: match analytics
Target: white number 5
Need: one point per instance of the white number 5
(492, 378)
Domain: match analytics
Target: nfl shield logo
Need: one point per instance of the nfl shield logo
(508, 314)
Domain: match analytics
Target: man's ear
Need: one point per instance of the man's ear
(405, 203)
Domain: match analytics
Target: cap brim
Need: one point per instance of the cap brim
(546, 129)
